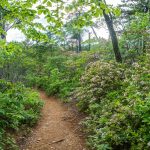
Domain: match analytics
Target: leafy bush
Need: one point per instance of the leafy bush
(60, 74)
(19, 106)
(55, 83)
(118, 103)
(99, 79)
(57, 78)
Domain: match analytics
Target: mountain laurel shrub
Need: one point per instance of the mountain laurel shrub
(117, 99)
(99, 79)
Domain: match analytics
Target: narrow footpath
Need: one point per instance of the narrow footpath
(58, 128)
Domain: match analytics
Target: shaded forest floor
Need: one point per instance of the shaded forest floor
(58, 128)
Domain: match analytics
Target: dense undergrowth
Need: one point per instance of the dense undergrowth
(19, 106)
(61, 73)
(111, 84)
(117, 99)
(115, 96)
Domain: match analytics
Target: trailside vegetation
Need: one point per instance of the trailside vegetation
(107, 78)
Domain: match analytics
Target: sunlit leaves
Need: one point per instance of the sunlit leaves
(117, 11)
(103, 6)
(25, 14)
(49, 4)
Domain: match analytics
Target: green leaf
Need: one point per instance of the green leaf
(49, 4)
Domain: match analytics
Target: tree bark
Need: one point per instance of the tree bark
(89, 41)
(2, 35)
(79, 43)
(113, 36)
(96, 35)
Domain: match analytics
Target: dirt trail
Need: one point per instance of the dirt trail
(56, 129)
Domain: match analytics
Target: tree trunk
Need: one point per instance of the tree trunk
(113, 36)
(89, 41)
(72, 46)
(96, 35)
(2, 25)
(79, 44)
(3, 37)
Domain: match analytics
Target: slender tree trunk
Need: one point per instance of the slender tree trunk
(95, 35)
(79, 44)
(72, 46)
(2, 35)
(113, 36)
(89, 41)
(114, 39)
(2, 25)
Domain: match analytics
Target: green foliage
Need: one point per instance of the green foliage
(60, 74)
(57, 78)
(19, 106)
(15, 61)
(115, 96)
(23, 15)
(134, 40)
(99, 79)
(94, 10)
(117, 101)
(55, 83)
